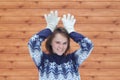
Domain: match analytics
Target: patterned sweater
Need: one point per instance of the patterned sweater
(53, 66)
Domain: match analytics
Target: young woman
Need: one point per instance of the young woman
(58, 65)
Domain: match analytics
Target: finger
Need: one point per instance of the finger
(72, 17)
(74, 21)
(68, 16)
(52, 13)
(45, 16)
(56, 13)
(64, 17)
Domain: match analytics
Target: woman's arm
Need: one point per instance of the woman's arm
(85, 43)
(86, 47)
(34, 45)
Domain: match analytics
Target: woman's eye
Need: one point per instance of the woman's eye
(65, 43)
(57, 42)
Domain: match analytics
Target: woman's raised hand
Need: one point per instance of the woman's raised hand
(52, 20)
(69, 22)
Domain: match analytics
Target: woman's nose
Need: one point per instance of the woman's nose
(61, 45)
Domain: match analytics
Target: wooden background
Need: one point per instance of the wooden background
(97, 19)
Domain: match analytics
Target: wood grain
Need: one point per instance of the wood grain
(98, 20)
(40, 19)
(76, 12)
(67, 5)
(79, 27)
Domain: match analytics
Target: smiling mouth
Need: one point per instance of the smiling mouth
(59, 49)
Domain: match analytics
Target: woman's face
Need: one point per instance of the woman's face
(59, 44)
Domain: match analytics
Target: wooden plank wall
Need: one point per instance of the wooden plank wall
(97, 19)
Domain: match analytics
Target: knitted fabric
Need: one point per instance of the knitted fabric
(55, 67)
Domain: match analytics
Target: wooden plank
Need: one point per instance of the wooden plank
(2, 78)
(67, 5)
(97, 27)
(80, 20)
(99, 78)
(36, 78)
(15, 35)
(85, 65)
(18, 20)
(11, 42)
(24, 49)
(106, 42)
(23, 78)
(78, 27)
(14, 49)
(97, 42)
(102, 35)
(22, 27)
(104, 57)
(106, 49)
(18, 77)
(97, 20)
(17, 65)
(78, 12)
(58, 0)
(15, 57)
(97, 49)
(102, 72)
(92, 57)
(20, 72)
(100, 65)
(86, 72)
(27, 35)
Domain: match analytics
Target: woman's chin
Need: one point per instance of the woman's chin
(60, 54)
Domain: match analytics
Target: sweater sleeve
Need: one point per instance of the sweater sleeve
(86, 47)
(34, 45)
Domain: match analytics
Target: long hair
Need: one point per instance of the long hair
(61, 31)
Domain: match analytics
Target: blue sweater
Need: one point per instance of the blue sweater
(55, 67)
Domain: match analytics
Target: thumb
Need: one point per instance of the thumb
(45, 16)
(74, 21)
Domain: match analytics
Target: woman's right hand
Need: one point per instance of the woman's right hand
(52, 20)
